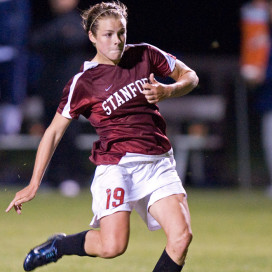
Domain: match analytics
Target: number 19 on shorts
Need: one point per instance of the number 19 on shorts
(115, 197)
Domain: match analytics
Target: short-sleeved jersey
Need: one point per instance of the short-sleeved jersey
(111, 98)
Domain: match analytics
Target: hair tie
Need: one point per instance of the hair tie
(100, 15)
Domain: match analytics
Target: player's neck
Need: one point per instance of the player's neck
(102, 60)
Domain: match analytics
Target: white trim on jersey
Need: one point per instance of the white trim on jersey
(89, 65)
(67, 107)
(66, 110)
(171, 61)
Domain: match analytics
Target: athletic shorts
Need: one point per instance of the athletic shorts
(136, 182)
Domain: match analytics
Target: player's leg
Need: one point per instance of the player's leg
(111, 212)
(112, 238)
(173, 215)
(108, 242)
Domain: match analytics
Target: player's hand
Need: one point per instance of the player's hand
(155, 91)
(27, 194)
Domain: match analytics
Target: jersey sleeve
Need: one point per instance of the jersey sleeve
(72, 103)
(162, 63)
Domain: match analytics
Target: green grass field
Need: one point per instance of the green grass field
(232, 233)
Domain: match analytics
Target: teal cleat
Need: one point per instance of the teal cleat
(43, 254)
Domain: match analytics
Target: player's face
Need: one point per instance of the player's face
(110, 40)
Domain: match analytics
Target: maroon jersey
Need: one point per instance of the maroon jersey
(111, 98)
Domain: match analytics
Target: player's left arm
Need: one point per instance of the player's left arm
(185, 81)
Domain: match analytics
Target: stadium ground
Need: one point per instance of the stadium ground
(232, 233)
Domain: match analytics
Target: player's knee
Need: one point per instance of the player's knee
(113, 250)
(187, 237)
(180, 243)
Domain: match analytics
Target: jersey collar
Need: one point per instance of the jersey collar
(89, 65)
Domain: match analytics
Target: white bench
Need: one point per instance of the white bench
(193, 108)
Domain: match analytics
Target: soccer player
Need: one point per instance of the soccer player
(117, 92)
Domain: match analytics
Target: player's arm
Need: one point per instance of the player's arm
(47, 146)
(185, 81)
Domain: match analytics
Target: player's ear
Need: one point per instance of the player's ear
(92, 37)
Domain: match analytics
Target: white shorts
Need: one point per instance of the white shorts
(134, 184)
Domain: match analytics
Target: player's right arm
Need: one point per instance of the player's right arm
(47, 146)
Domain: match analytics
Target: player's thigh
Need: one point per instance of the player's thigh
(173, 215)
(115, 229)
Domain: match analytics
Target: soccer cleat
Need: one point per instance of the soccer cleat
(43, 254)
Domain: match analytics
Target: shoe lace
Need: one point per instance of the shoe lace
(52, 253)
(49, 255)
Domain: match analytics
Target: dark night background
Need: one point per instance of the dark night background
(207, 35)
(176, 25)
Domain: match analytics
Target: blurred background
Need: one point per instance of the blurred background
(220, 132)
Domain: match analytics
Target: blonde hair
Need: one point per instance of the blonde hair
(92, 15)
